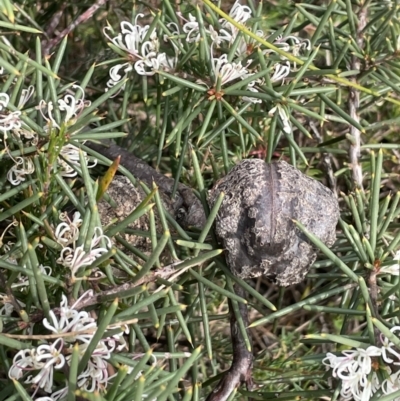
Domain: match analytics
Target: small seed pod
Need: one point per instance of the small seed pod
(255, 224)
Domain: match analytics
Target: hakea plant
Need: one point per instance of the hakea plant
(143, 48)
(211, 62)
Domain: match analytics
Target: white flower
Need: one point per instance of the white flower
(227, 71)
(392, 384)
(22, 167)
(131, 37)
(388, 350)
(251, 88)
(149, 66)
(283, 116)
(67, 232)
(26, 94)
(115, 75)
(192, 30)
(298, 44)
(117, 338)
(228, 32)
(218, 37)
(281, 72)
(240, 14)
(45, 358)
(354, 370)
(174, 29)
(247, 45)
(70, 153)
(360, 388)
(71, 107)
(143, 54)
(23, 360)
(71, 321)
(23, 280)
(8, 120)
(75, 258)
(96, 376)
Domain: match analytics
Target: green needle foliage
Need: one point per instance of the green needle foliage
(136, 307)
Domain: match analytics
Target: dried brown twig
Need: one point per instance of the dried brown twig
(240, 371)
(117, 291)
(51, 43)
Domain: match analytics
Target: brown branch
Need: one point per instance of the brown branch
(53, 24)
(241, 369)
(188, 210)
(81, 19)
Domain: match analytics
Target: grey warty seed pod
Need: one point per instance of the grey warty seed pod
(254, 222)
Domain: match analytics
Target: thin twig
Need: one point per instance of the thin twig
(104, 296)
(354, 102)
(67, 334)
(53, 24)
(81, 19)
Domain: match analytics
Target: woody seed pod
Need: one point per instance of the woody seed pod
(255, 224)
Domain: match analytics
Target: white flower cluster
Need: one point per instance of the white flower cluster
(11, 125)
(357, 370)
(74, 327)
(74, 257)
(141, 47)
(69, 105)
(14, 128)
